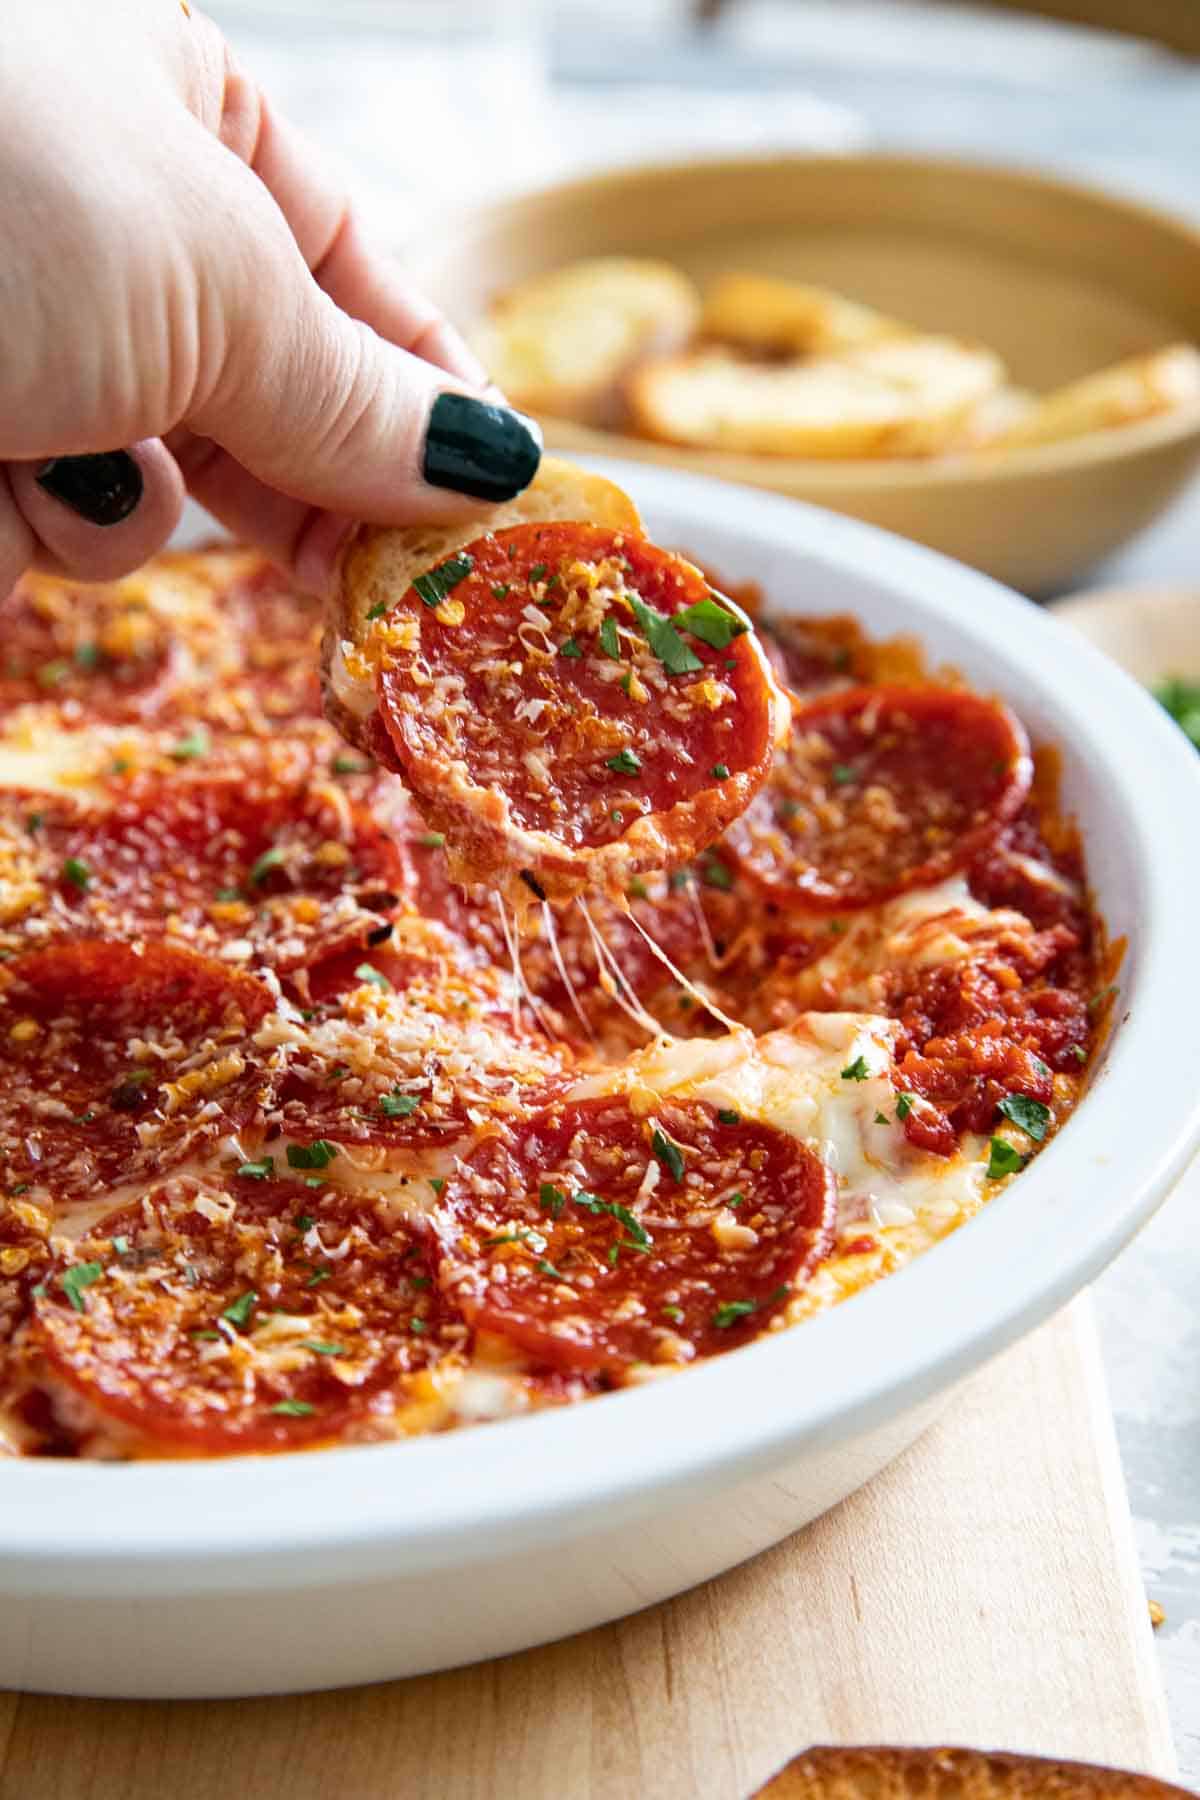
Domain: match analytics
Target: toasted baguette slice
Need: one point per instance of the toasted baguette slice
(899, 397)
(381, 563)
(760, 313)
(560, 343)
(885, 1773)
(1128, 391)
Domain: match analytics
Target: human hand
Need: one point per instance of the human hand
(181, 278)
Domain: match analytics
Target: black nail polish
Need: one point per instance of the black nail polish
(476, 448)
(102, 489)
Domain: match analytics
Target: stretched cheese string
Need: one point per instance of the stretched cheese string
(521, 988)
(613, 982)
(551, 931)
(689, 987)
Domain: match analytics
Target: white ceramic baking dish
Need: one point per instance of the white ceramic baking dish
(260, 1575)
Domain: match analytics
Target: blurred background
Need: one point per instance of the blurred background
(428, 106)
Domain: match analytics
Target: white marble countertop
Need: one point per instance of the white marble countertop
(414, 129)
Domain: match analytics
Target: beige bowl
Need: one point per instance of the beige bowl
(1154, 633)
(1058, 278)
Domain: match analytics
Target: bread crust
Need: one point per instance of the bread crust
(888, 1772)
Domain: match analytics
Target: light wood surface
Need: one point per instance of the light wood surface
(983, 1590)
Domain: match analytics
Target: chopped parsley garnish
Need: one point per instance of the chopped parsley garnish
(1079, 1053)
(732, 1311)
(397, 1105)
(239, 1311)
(538, 572)
(34, 823)
(87, 655)
(1182, 700)
(21, 1187)
(73, 1281)
(843, 773)
(674, 1313)
(547, 1268)
(715, 874)
(728, 1116)
(313, 1181)
(625, 762)
(431, 840)
(736, 1200)
(679, 878)
(228, 894)
(338, 1072)
(317, 1155)
(51, 673)
(663, 639)
(377, 611)
(668, 1153)
(552, 1198)
(857, 1070)
(437, 1183)
(637, 889)
(881, 1118)
(627, 682)
(196, 743)
(720, 772)
(304, 1223)
(77, 873)
(1029, 1114)
(1097, 1000)
(609, 642)
(436, 585)
(418, 1325)
(294, 1409)
(711, 623)
(502, 590)
(262, 865)
(83, 1118)
(206, 1337)
(1003, 1160)
(314, 1280)
(262, 1170)
(377, 978)
(569, 648)
(592, 1203)
(904, 1105)
(321, 1349)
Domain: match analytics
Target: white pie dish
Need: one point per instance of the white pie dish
(276, 1574)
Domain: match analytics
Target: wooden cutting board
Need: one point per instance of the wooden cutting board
(983, 1590)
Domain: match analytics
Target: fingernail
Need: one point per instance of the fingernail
(102, 489)
(487, 451)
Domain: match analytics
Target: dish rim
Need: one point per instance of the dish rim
(470, 1495)
(834, 475)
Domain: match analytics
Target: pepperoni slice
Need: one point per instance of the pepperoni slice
(259, 1315)
(263, 852)
(277, 632)
(117, 1061)
(882, 789)
(95, 652)
(574, 704)
(561, 1244)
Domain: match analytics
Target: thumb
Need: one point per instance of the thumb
(317, 405)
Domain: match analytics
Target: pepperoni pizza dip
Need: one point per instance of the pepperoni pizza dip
(304, 1143)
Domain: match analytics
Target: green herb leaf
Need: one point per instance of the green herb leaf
(196, 743)
(314, 1280)
(728, 1116)
(668, 1153)
(502, 591)
(238, 1312)
(87, 655)
(377, 978)
(569, 648)
(418, 1326)
(552, 1198)
(304, 1223)
(34, 823)
(843, 773)
(1096, 1003)
(294, 1409)
(716, 874)
(593, 1204)
(432, 840)
(320, 1349)
(538, 572)
(262, 1170)
(1003, 1159)
(857, 1070)
(377, 611)
(397, 1105)
(882, 1119)
(73, 1281)
(637, 889)
(206, 1337)
(547, 1268)
(317, 1155)
(437, 1183)
(674, 1313)
(720, 772)
(904, 1105)
(712, 623)
(229, 894)
(1182, 700)
(736, 1200)
(77, 873)
(609, 641)
(350, 765)
(262, 865)
(663, 639)
(1029, 1114)
(434, 587)
(51, 673)
(732, 1311)
(625, 762)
